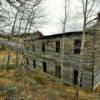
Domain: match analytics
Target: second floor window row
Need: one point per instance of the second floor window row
(76, 48)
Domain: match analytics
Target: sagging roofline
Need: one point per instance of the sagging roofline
(58, 35)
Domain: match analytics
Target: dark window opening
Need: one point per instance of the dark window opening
(27, 48)
(75, 76)
(34, 63)
(44, 66)
(77, 46)
(58, 71)
(43, 47)
(27, 60)
(33, 47)
(57, 46)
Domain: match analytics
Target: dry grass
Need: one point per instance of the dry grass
(5, 53)
(4, 57)
(34, 85)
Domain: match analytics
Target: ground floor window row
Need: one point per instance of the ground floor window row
(57, 70)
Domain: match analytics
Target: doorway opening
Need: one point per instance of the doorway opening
(75, 76)
(58, 71)
(34, 63)
(44, 66)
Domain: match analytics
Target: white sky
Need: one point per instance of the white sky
(55, 9)
(54, 12)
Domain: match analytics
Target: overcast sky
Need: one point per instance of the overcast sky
(55, 9)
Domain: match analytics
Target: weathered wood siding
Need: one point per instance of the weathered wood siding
(88, 62)
(97, 56)
(53, 58)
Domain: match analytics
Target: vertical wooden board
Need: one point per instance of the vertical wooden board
(97, 57)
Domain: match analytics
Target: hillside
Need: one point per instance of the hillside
(33, 85)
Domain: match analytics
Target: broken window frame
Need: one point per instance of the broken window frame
(77, 46)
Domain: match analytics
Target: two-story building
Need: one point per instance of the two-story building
(45, 53)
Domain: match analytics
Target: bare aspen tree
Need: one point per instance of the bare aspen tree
(4, 18)
(64, 22)
(66, 14)
(18, 53)
(87, 11)
(13, 4)
(16, 6)
(5, 14)
(28, 15)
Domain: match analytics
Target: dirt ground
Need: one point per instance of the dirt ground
(33, 85)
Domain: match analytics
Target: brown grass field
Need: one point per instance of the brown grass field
(33, 85)
(4, 57)
(5, 53)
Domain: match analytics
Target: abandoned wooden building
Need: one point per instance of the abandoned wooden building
(45, 53)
